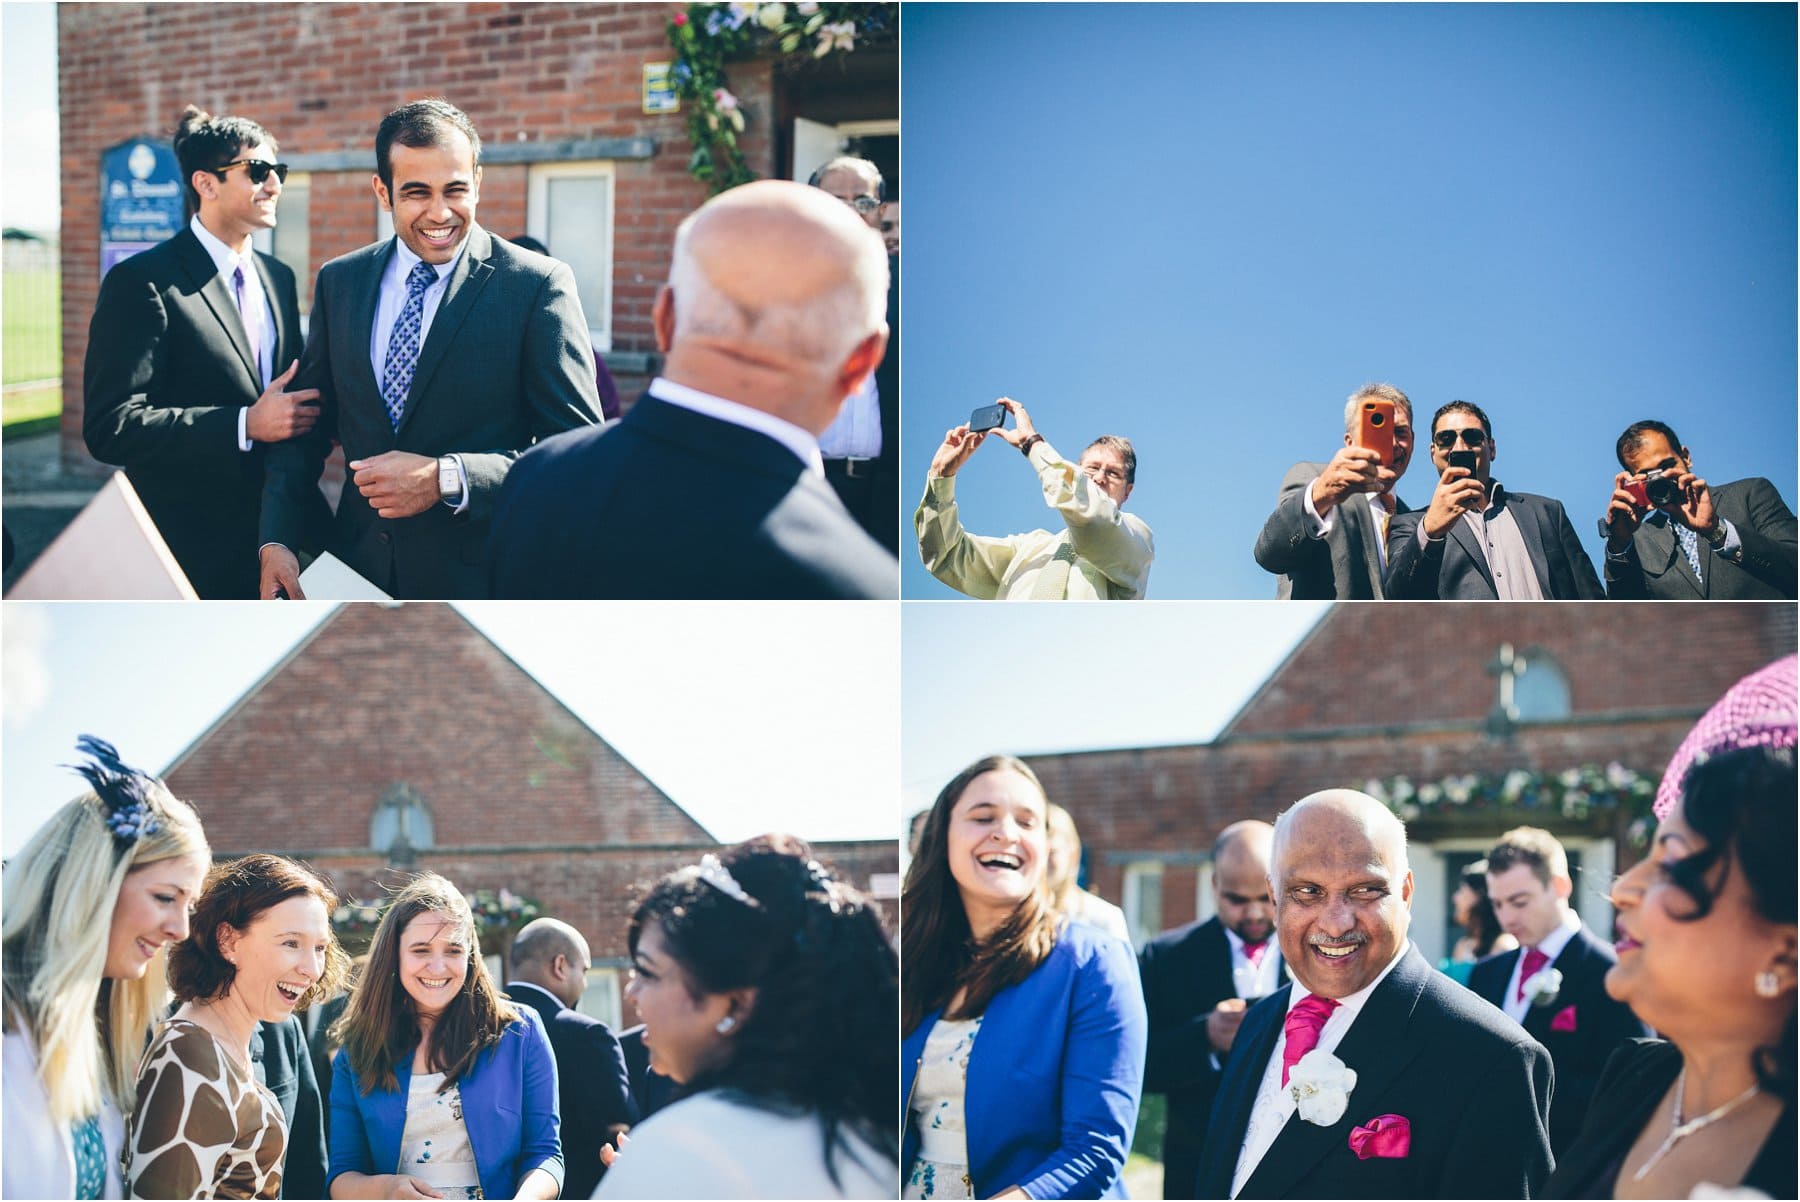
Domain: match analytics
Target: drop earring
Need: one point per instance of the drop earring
(725, 1025)
(1768, 985)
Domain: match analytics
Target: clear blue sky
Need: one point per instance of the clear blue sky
(1202, 227)
(752, 717)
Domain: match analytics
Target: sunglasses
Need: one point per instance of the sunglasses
(257, 169)
(1473, 436)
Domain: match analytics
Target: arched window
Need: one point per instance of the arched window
(401, 825)
(1541, 691)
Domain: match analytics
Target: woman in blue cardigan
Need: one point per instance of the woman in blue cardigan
(443, 1088)
(1024, 1034)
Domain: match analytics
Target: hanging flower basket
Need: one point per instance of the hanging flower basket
(706, 37)
(1575, 794)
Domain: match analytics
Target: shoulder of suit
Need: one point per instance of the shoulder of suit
(361, 254)
(1467, 1015)
(1198, 932)
(275, 267)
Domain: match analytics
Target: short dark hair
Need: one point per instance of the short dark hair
(418, 124)
(236, 894)
(1468, 407)
(204, 142)
(1634, 435)
(1532, 846)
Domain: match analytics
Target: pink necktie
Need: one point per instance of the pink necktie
(1304, 1022)
(1534, 960)
(1253, 952)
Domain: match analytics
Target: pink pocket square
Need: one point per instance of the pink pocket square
(1564, 1020)
(1388, 1137)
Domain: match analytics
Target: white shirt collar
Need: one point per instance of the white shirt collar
(224, 257)
(404, 258)
(800, 441)
(1350, 1006)
(1553, 943)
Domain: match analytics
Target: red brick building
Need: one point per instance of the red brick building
(1380, 691)
(555, 89)
(396, 738)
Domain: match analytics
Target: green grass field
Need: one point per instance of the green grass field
(32, 410)
(30, 326)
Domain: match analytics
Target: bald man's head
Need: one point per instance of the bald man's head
(553, 956)
(776, 299)
(1342, 890)
(1240, 880)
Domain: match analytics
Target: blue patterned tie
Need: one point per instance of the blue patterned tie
(1690, 544)
(403, 343)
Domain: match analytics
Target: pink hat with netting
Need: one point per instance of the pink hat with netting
(1758, 711)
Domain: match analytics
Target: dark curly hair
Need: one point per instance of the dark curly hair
(821, 1036)
(1742, 804)
(236, 894)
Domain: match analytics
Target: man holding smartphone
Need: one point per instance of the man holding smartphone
(1101, 552)
(1477, 540)
(1670, 536)
(1327, 538)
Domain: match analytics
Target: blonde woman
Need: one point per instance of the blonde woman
(91, 903)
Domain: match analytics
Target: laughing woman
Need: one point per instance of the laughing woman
(1024, 1033)
(90, 903)
(442, 1088)
(261, 948)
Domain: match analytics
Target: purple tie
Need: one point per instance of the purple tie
(1304, 1022)
(252, 323)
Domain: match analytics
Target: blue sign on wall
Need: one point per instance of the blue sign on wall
(140, 200)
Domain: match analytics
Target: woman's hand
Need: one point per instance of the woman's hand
(1022, 427)
(955, 450)
(380, 1185)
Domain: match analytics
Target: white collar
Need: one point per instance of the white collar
(801, 442)
(1553, 943)
(224, 257)
(1350, 1006)
(404, 258)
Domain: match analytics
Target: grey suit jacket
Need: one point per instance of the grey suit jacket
(1656, 567)
(507, 362)
(1344, 565)
(1456, 568)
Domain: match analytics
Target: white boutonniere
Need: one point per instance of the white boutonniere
(1543, 986)
(1320, 1085)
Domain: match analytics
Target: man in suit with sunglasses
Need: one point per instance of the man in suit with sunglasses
(442, 354)
(190, 355)
(1477, 540)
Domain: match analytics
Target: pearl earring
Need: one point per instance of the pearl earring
(1768, 985)
(725, 1025)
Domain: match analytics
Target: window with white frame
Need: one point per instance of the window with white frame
(569, 208)
(1143, 899)
(601, 999)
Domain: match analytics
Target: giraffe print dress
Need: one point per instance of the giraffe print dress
(203, 1127)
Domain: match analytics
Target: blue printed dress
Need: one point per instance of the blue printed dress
(435, 1146)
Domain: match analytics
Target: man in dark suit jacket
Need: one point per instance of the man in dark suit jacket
(441, 356)
(1554, 982)
(712, 485)
(184, 385)
(1196, 979)
(549, 973)
(1477, 541)
(1325, 539)
(650, 1090)
(1449, 1099)
(1733, 542)
(278, 1053)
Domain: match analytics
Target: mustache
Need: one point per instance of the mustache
(1349, 940)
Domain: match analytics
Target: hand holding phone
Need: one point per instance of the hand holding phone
(1376, 431)
(987, 417)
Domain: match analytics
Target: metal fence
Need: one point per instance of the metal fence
(30, 311)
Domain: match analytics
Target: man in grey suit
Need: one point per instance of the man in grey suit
(1477, 540)
(1733, 542)
(1327, 536)
(440, 356)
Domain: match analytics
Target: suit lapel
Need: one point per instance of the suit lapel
(1252, 1049)
(217, 295)
(1525, 518)
(1465, 540)
(467, 278)
(283, 352)
(1667, 556)
(1363, 524)
(364, 298)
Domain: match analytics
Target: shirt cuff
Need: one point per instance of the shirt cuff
(1733, 546)
(244, 443)
(1316, 526)
(461, 501)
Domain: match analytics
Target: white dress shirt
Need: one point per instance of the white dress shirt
(256, 301)
(801, 442)
(1253, 980)
(1319, 527)
(855, 433)
(390, 301)
(1551, 945)
(1274, 1105)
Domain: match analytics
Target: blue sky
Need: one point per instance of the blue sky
(1203, 226)
(752, 717)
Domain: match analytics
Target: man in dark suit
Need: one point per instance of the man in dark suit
(1327, 536)
(712, 485)
(862, 445)
(1554, 982)
(1733, 542)
(1196, 979)
(1448, 1099)
(278, 1053)
(550, 967)
(1478, 541)
(189, 357)
(650, 1090)
(441, 355)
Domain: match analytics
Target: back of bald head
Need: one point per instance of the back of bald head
(1343, 813)
(1248, 840)
(542, 940)
(777, 271)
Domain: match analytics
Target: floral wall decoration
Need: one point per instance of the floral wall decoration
(1575, 794)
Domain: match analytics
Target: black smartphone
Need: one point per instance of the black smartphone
(988, 417)
(1465, 459)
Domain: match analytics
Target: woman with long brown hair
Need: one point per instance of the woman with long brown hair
(442, 1088)
(1024, 1033)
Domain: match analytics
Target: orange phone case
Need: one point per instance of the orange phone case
(1377, 431)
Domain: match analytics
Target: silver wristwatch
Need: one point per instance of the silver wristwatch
(449, 479)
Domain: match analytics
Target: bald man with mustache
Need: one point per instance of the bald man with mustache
(712, 485)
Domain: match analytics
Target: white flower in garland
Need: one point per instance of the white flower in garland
(1543, 986)
(1320, 1085)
